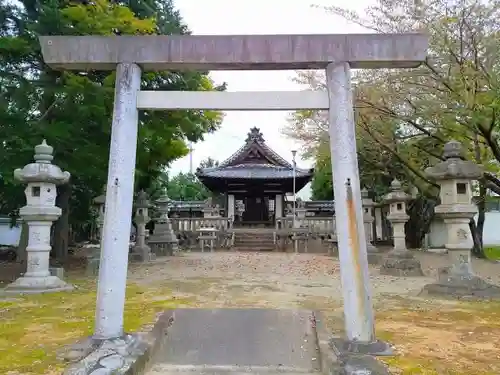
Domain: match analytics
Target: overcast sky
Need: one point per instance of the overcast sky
(257, 17)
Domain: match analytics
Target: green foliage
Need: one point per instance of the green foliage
(185, 186)
(209, 163)
(73, 110)
(321, 184)
(404, 117)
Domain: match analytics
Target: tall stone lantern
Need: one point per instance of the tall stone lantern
(141, 251)
(367, 202)
(100, 202)
(399, 261)
(454, 176)
(40, 212)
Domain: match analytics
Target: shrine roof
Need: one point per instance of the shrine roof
(254, 160)
(256, 171)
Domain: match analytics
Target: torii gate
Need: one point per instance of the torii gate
(337, 54)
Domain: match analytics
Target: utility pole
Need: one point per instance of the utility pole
(191, 157)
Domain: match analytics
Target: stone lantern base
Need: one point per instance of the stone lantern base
(373, 254)
(141, 254)
(35, 285)
(462, 286)
(401, 263)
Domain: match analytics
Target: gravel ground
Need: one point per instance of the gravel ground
(286, 280)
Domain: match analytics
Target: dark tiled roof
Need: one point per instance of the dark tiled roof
(258, 171)
(255, 141)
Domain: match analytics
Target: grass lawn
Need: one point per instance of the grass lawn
(430, 337)
(459, 338)
(34, 327)
(492, 252)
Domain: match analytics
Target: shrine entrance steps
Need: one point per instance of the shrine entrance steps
(239, 341)
(254, 239)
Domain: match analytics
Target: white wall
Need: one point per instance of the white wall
(491, 233)
(9, 236)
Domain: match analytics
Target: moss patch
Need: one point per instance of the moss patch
(437, 339)
(492, 252)
(34, 327)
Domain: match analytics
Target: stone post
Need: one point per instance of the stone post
(399, 261)
(378, 222)
(100, 202)
(358, 308)
(115, 240)
(454, 176)
(39, 213)
(372, 251)
(94, 257)
(278, 206)
(141, 251)
(164, 239)
(230, 206)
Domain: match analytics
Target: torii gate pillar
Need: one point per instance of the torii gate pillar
(335, 53)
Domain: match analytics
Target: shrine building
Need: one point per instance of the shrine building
(255, 181)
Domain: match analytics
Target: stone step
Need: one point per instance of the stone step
(165, 369)
(253, 249)
(256, 240)
(254, 245)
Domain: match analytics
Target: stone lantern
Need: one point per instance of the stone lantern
(164, 239)
(100, 202)
(399, 261)
(454, 176)
(141, 251)
(40, 212)
(367, 202)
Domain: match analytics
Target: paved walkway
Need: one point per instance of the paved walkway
(233, 341)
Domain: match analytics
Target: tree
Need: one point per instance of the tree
(209, 163)
(72, 110)
(404, 117)
(187, 187)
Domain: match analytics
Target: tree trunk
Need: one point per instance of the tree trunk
(477, 228)
(61, 227)
(421, 212)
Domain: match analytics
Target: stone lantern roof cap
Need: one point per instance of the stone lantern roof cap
(454, 166)
(142, 200)
(101, 199)
(163, 199)
(42, 170)
(397, 193)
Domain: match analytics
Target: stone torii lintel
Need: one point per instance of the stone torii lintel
(235, 52)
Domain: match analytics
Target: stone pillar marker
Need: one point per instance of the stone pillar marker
(399, 261)
(368, 204)
(454, 175)
(39, 213)
(141, 251)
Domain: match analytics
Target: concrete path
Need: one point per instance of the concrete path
(234, 341)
